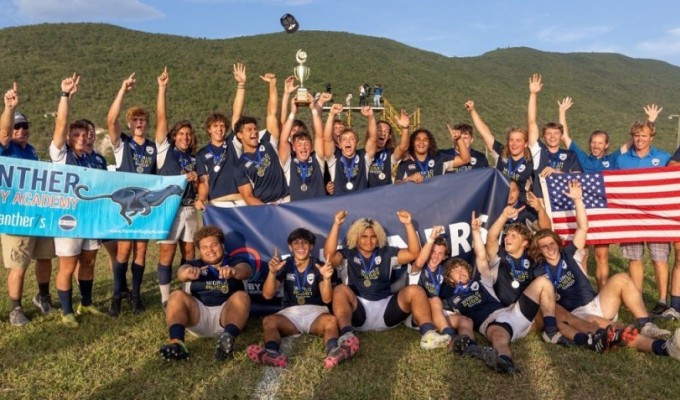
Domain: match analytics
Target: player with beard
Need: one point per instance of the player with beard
(307, 290)
(426, 160)
(349, 168)
(213, 302)
(365, 301)
(464, 133)
(386, 155)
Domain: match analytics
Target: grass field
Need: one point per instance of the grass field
(118, 359)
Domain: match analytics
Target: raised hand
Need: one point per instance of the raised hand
(129, 83)
(535, 84)
(470, 106)
(404, 120)
(12, 96)
(289, 85)
(367, 111)
(326, 270)
(276, 264)
(340, 217)
(404, 217)
(534, 202)
(325, 98)
(336, 109)
(652, 111)
(475, 223)
(565, 104)
(436, 231)
(240, 73)
(455, 134)
(511, 212)
(268, 77)
(70, 84)
(575, 191)
(163, 78)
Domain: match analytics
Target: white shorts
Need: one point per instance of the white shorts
(594, 308)
(227, 203)
(208, 324)
(511, 315)
(69, 247)
(183, 227)
(302, 317)
(375, 314)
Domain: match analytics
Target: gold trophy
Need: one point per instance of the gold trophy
(301, 73)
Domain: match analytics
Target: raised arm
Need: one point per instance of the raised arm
(68, 85)
(288, 88)
(404, 123)
(7, 119)
(326, 286)
(317, 124)
(239, 99)
(575, 193)
(272, 105)
(480, 125)
(410, 253)
(424, 254)
(537, 204)
(492, 244)
(284, 144)
(463, 156)
(330, 248)
(161, 109)
(328, 142)
(564, 106)
(535, 86)
(114, 111)
(371, 143)
(481, 257)
(271, 284)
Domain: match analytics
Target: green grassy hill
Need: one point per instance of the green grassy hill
(609, 90)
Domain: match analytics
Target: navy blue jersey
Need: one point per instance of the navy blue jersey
(306, 178)
(67, 156)
(209, 289)
(477, 160)
(263, 171)
(562, 160)
(511, 270)
(219, 163)
(380, 170)
(137, 158)
(432, 166)
(96, 160)
(474, 301)
(370, 278)
(431, 281)
(178, 162)
(14, 150)
(350, 173)
(520, 170)
(571, 284)
(300, 287)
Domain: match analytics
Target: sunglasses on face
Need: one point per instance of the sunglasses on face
(21, 125)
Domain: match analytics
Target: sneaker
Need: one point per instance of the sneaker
(70, 320)
(671, 313)
(17, 317)
(598, 341)
(267, 357)
(659, 309)
(651, 330)
(505, 366)
(673, 345)
(175, 349)
(225, 347)
(137, 305)
(621, 336)
(556, 338)
(44, 304)
(342, 352)
(433, 339)
(114, 309)
(91, 309)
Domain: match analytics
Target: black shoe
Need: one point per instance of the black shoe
(505, 366)
(225, 347)
(137, 305)
(459, 344)
(659, 309)
(114, 309)
(599, 341)
(174, 350)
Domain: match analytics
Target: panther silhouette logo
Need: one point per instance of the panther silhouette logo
(133, 200)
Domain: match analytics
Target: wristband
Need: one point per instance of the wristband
(291, 116)
(65, 94)
(241, 86)
(430, 240)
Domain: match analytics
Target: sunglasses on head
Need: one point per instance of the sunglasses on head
(21, 125)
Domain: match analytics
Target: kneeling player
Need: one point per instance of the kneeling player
(307, 288)
(213, 303)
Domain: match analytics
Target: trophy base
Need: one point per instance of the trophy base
(301, 99)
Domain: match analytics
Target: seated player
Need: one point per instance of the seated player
(213, 302)
(307, 289)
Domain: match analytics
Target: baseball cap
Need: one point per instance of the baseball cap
(20, 118)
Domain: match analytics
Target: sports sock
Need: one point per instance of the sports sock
(119, 281)
(232, 329)
(65, 297)
(164, 274)
(15, 303)
(85, 291)
(675, 302)
(449, 331)
(659, 347)
(550, 324)
(176, 331)
(581, 338)
(44, 289)
(643, 321)
(346, 329)
(426, 327)
(331, 344)
(137, 276)
(272, 345)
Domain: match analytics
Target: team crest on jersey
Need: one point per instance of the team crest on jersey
(526, 264)
(149, 150)
(563, 156)
(290, 277)
(261, 147)
(208, 156)
(357, 260)
(456, 300)
(521, 168)
(412, 166)
(378, 260)
(473, 161)
(656, 162)
(605, 164)
(356, 158)
(310, 278)
(430, 163)
(474, 286)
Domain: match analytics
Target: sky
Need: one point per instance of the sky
(649, 29)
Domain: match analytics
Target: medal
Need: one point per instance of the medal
(367, 282)
(300, 280)
(515, 284)
(301, 300)
(140, 169)
(381, 176)
(349, 185)
(303, 187)
(260, 173)
(216, 168)
(557, 297)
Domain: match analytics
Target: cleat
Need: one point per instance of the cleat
(459, 344)
(92, 310)
(137, 305)
(659, 309)
(673, 345)
(44, 304)
(70, 320)
(175, 349)
(621, 336)
(342, 352)
(17, 317)
(225, 347)
(671, 313)
(349, 340)
(433, 339)
(271, 358)
(114, 309)
(599, 341)
(505, 366)
(484, 353)
(556, 338)
(651, 330)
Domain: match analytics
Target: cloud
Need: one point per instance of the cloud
(85, 10)
(561, 35)
(668, 44)
(266, 2)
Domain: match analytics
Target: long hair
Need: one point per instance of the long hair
(506, 153)
(172, 135)
(432, 148)
(535, 250)
(453, 263)
(359, 226)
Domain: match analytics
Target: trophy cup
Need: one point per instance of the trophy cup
(301, 73)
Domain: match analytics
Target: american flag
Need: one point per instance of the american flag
(625, 206)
